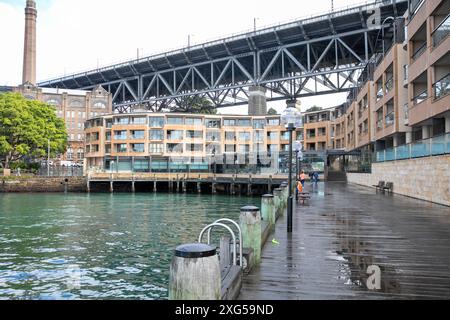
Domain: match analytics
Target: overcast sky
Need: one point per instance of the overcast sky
(76, 35)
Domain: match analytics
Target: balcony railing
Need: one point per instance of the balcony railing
(421, 97)
(419, 51)
(435, 146)
(442, 87)
(380, 124)
(441, 32)
(390, 119)
(380, 93)
(389, 84)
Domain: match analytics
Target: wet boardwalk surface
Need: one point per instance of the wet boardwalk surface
(344, 230)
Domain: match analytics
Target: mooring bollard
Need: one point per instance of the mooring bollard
(195, 273)
(250, 223)
(268, 209)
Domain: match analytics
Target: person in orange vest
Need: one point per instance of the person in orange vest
(299, 186)
(303, 178)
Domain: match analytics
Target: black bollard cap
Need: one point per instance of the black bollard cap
(268, 196)
(195, 250)
(249, 209)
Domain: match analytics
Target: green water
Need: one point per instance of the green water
(77, 246)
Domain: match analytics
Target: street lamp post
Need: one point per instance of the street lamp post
(292, 119)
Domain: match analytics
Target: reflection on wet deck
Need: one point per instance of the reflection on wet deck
(344, 230)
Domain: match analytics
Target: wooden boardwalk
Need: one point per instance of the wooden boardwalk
(343, 231)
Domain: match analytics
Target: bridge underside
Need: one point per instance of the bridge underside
(320, 55)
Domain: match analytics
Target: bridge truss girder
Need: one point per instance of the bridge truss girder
(330, 64)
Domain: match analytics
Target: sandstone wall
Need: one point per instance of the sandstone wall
(43, 184)
(424, 178)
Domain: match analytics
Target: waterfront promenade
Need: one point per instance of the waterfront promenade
(344, 230)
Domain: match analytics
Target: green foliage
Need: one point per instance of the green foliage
(272, 112)
(25, 128)
(195, 105)
(314, 108)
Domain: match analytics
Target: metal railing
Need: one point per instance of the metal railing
(421, 97)
(441, 32)
(419, 51)
(435, 146)
(442, 87)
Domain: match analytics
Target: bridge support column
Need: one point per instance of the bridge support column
(257, 101)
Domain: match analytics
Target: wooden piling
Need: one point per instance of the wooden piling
(250, 223)
(195, 273)
(268, 209)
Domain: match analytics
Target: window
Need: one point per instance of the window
(230, 136)
(244, 123)
(122, 120)
(191, 134)
(194, 147)
(285, 135)
(121, 148)
(109, 123)
(178, 121)
(156, 122)
(138, 134)
(194, 121)
(108, 136)
(107, 148)
(229, 122)
(175, 135)
(174, 148)
(70, 154)
(212, 136)
(156, 148)
(273, 122)
(258, 136)
(100, 105)
(259, 124)
(273, 148)
(272, 136)
(230, 148)
(139, 120)
(244, 149)
(156, 135)
(138, 147)
(120, 135)
(244, 136)
(213, 123)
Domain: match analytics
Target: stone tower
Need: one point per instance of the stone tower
(29, 50)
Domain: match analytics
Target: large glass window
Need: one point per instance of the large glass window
(244, 123)
(194, 147)
(139, 120)
(156, 122)
(230, 148)
(156, 135)
(244, 136)
(122, 120)
(192, 134)
(138, 134)
(174, 148)
(213, 136)
(229, 122)
(171, 120)
(213, 123)
(194, 121)
(272, 136)
(230, 136)
(175, 134)
(259, 124)
(120, 135)
(258, 136)
(121, 148)
(156, 148)
(273, 122)
(138, 147)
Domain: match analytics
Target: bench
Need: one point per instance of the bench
(389, 187)
(380, 185)
(303, 197)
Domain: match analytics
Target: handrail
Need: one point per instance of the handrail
(419, 51)
(225, 227)
(240, 236)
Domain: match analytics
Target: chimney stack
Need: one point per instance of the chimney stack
(29, 50)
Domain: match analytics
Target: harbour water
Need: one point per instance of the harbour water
(99, 246)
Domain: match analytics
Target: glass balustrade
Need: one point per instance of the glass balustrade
(441, 32)
(442, 87)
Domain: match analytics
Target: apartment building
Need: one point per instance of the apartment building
(318, 130)
(169, 142)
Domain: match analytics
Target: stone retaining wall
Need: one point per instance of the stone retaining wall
(43, 184)
(424, 178)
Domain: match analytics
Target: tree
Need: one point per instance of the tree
(272, 112)
(195, 104)
(314, 108)
(26, 127)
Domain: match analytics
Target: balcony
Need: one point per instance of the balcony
(439, 145)
(421, 97)
(441, 32)
(380, 93)
(442, 87)
(380, 124)
(390, 119)
(389, 84)
(419, 51)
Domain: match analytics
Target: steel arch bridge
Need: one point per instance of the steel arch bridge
(319, 55)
